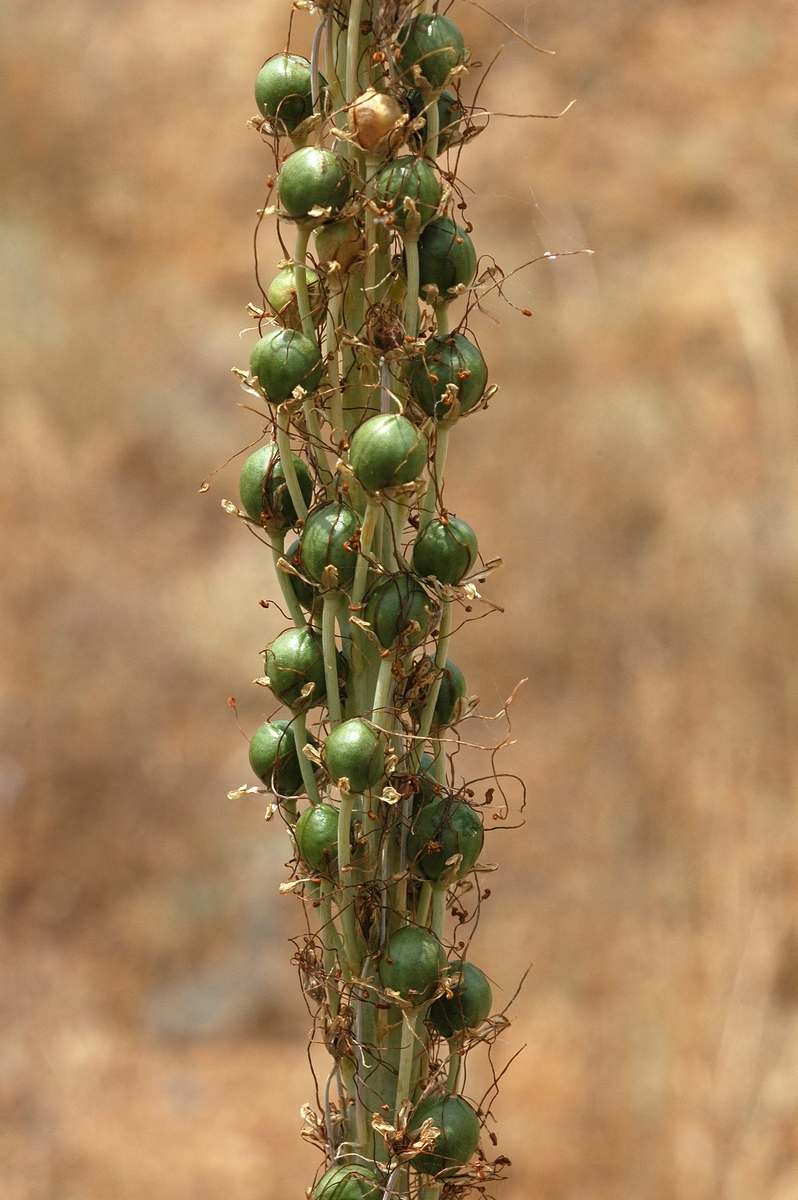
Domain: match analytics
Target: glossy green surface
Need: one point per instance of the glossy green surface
(446, 256)
(263, 489)
(283, 299)
(407, 177)
(393, 609)
(470, 1005)
(293, 660)
(452, 691)
(355, 751)
(317, 836)
(445, 827)
(434, 44)
(326, 540)
(285, 359)
(387, 450)
(344, 1182)
(283, 91)
(445, 551)
(412, 963)
(273, 758)
(450, 360)
(312, 177)
(459, 1134)
(305, 594)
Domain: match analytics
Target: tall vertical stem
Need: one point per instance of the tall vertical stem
(330, 604)
(287, 461)
(301, 740)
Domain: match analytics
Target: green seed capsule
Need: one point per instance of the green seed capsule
(283, 299)
(283, 92)
(283, 360)
(450, 824)
(263, 490)
(410, 178)
(327, 540)
(446, 257)
(451, 360)
(312, 177)
(273, 758)
(305, 594)
(432, 43)
(458, 1137)
(347, 1182)
(452, 693)
(317, 836)
(450, 114)
(293, 660)
(355, 751)
(387, 450)
(427, 786)
(412, 963)
(446, 551)
(398, 611)
(470, 1005)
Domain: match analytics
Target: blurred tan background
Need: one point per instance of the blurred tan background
(636, 471)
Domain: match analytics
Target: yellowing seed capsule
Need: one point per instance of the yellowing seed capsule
(375, 119)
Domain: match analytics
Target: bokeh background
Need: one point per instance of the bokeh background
(637, 473)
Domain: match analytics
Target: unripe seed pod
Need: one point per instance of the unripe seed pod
(470, 1005)
(446, 551)
(327, 540)
(355, 750)
(294, 660)
(273, 758)
(312, 177)
(283, 360)
(412, 963)
(408, 178)
(317, 836)
(347, 1182)
(452, 360)
(446, 256)
(373, 119)
(305, 594)
(428, 789)
(263, 489)
(458, 1138)
(451, 695)
(339, 242)
(450, 114)
(450, 824)
(282, 298)
(387, 450)
(283, 91)
(432, 43)
(399, 610)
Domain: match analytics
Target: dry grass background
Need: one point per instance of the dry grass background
(637, 472)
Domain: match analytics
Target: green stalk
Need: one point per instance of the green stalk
(353, 49)
(334, 367)
(303, 232)
(286, 587)
(373, 509)
(411, 298)
(346, 903)
(435, 480)
(430, 100)
(422, 912)
(286, 458)
(383, 688)
(403, 1089)
(442, 319)
(441, 655)
(439, 891)
(330, 605)
(301, 740)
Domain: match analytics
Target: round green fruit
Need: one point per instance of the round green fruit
(446, 551)
(347, 1182)
(283, 360)
(454, 827)
(387, 450)
(273, 758)
(283, 92)
(355, 750)
(470, 1005)
(432, 43)
(317, 836)
(312, 177)
(283, 299)
(412, 963)
(398, 611)
(408, 178)
(451, 694)
(446, 257)
(458, 1138)
(450, 114)
(450, 360)
(327, 540)
(305, 594)
(294, 660)
(264, 492)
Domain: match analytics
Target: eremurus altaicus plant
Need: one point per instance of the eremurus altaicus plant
(364, 367)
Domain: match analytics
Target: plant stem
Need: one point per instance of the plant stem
(300, 741)
(442, 319)
(353, 49)
(441, 654)
(406, 1058)
(383, 688)
(333, 366)
(411, 299)
(436, 479)
(303, 232)
(439, 891)
(330, 605)
(286, 586)
(373, 509)
(425, 896)
(430, 102)
(347, 898)
(287, 461)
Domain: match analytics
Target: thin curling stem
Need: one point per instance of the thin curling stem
(301, 740)
(406, 1054)
(347, 898)
(287, 460)
(411, 299)
(330, 604)
(427, 509)
(286, 586)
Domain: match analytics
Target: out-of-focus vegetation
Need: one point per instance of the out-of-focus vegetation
(637, 473)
